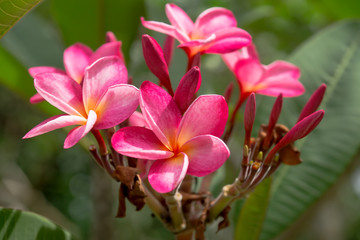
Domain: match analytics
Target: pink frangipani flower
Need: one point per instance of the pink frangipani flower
(214, 31)
(177, 145)
(77, 58)
(252, 76)
(102, 101)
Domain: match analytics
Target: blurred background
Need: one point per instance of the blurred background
(67, 186)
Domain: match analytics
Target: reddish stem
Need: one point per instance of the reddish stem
(101, 142)
(241, 100)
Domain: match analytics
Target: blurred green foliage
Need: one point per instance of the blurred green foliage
(63, 180)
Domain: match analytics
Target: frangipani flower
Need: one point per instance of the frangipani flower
(177, 145)
(102, 101)
(252, 76)
(214, 31)
(77, 58)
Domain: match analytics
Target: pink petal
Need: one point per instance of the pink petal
(212, 20)
(54, 123)
(137, 119)
(206, 115)
(249, 52)
(116, 105)
(300, 130)
(107, 49)
(188, 86)
(166, 29)
(76, 59)
(166, 174)
(78, 133)
(160, 111)
(231, 59)
(249, 73)
(110, 37)
(37, 98)
(179, 18)
(206, 154)
(36, 70)
(139, 142)
(228, 40)
(282, 77)
(154, 58)
(101, 75)
(60, 91)
(313, 103)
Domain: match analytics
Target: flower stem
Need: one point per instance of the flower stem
(228, 194)
(156, 207)
(241, 100)
(173, 201)
(101, 142)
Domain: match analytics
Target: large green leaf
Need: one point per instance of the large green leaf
(11, 11)
(18, 225)
(252, 215)
(87, 21)
(331, 57)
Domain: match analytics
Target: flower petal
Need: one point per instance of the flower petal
(160, 111)
(137, 119)
(228, 40)
(179, 18)
(155, 60)
(249, 73)
(37, 98)
(139, 142)
(116, 105)
(76, 59)
(166, 29)
(36, 70)
(60, 91)
(101, 75)
(78, 133)
(206, 154)
(212, 20)
(231, 59)
(110, 37)
(166, 174)
(107, 49)
(282, 77)
(54, 123)
(188, 86)
(206, 115)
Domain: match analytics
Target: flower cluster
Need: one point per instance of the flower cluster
(177, 135)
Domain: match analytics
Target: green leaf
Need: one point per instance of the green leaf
(331, 57)
(18, 225)
(253, 212)
(11, 11)
(87, 21)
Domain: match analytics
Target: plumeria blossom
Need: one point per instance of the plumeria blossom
(214, 31)
(77, 58)
(177, 145)
(102, 101)
(273, 79)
